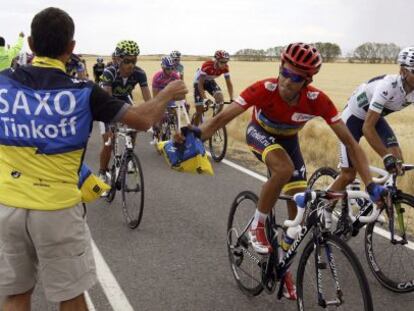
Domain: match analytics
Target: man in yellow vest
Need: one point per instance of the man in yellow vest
(7, 55)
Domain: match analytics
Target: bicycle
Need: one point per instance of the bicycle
(217, 143)
(126, 176)
(331, 257)
(390, 251)
(169, 124)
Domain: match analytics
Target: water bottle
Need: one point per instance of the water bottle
(354, 186)
(289, 237)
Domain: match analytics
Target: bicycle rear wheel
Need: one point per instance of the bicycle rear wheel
(342, 282)
(321, 179)
(393, 263)
(244, 262)
(132, 188)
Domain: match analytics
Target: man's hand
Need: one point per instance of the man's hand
(176, 89)
(376, 193)
(179, 137)
(391, 163)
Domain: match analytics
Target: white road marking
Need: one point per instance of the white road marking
(110, 286)
(89, 302)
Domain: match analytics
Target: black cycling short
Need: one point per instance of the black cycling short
(355, 125)
(210, 86)
(261, 142)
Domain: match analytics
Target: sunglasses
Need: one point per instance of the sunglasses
(294, 77)
(168, 68)
(127, 61)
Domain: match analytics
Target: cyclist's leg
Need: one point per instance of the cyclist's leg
(297, 182)
(348, 172)
(105, 155)
(218, 95)
(267, 150)
(389, 139)
(198, 102)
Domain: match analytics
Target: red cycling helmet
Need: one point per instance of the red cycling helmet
(303, 56)
(220, 54)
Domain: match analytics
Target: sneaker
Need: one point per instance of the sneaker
(259, 240)
(154, 141)
(131, 167)
(103, 177)
(289, 287)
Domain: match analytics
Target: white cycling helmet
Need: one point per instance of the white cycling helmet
(406, 57)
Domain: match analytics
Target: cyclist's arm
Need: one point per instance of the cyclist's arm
(210, 126)
(229, 86)
(200, 84)
(358, 157)
(143, 116)
(146, 94)
(14, 50)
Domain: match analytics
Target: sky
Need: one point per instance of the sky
(200, 27)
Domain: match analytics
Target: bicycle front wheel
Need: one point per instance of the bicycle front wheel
(392, 262)
(244, 262)
(132, 188)
(218, 144)
(330, 276)
(111, 193)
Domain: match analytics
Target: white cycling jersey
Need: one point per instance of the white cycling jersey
(384, 94)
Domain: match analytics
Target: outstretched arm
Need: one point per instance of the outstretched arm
(229, 87)
(143, 116)
(210, 126)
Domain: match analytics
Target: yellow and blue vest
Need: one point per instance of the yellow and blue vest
(45, 123)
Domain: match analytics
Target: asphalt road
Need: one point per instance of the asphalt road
(177, 258)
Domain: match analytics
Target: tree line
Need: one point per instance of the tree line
(369, 52)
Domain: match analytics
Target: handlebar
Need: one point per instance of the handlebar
(302, 198)
(384, 175)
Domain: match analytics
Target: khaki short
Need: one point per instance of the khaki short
(54, 245)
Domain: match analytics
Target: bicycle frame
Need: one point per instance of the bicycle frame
(127, 134)
(275, 267)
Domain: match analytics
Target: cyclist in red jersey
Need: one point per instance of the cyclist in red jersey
(281, 107)
(204, 81)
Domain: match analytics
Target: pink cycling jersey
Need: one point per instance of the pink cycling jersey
(160, 79)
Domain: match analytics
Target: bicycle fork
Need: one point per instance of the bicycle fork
(321, 265)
